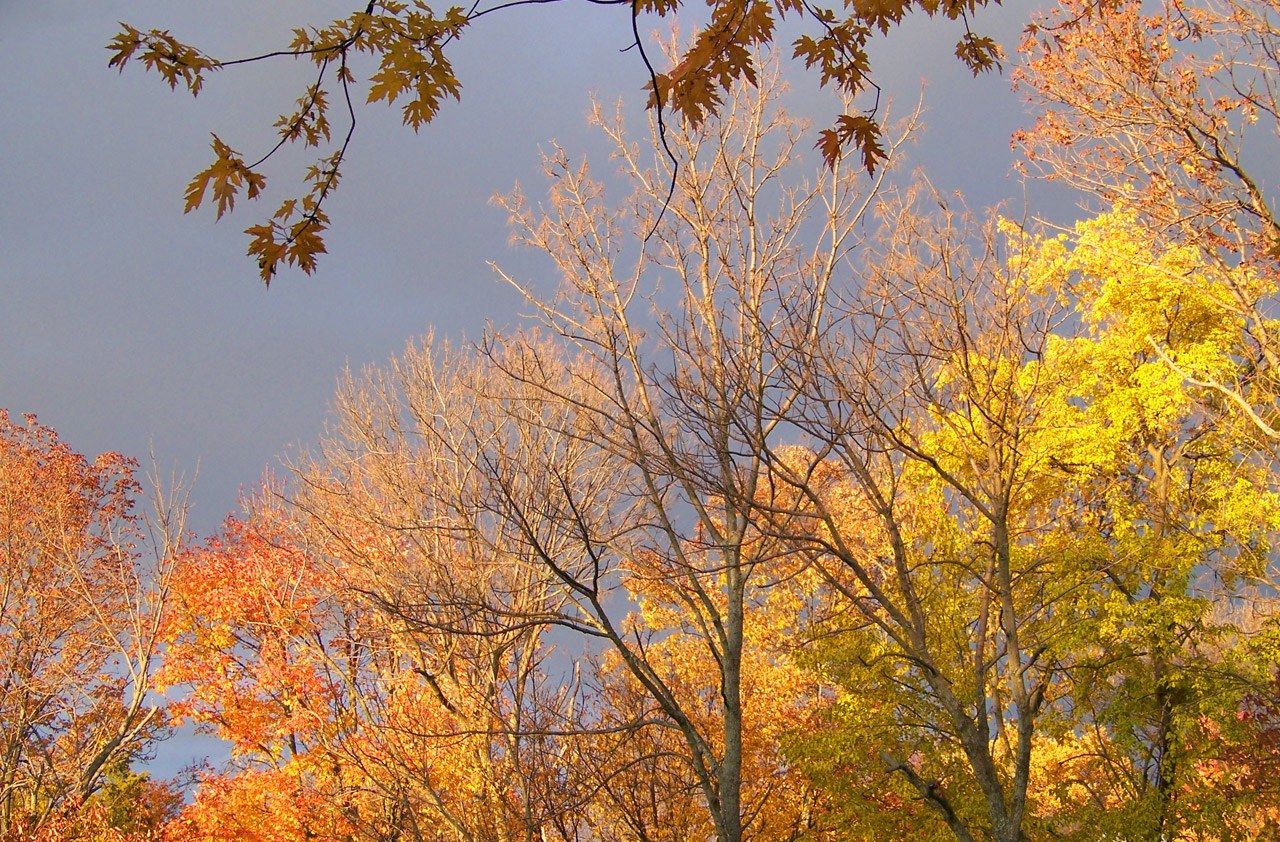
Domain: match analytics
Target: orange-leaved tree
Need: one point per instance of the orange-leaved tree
(265, 650)
(83, 588)
(323, 641)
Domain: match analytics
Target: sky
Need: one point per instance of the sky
(129, 326)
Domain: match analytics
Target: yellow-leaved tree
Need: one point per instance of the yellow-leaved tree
(1036, 522)
(1171, 109)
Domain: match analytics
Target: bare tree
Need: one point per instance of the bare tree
(671, 307)
(593, 480)
(925, 478)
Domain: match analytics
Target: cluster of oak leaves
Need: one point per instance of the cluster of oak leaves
(952, 531)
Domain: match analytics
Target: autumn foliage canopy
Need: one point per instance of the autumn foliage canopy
(803, 508)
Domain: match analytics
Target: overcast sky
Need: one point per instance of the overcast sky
(126, 325)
